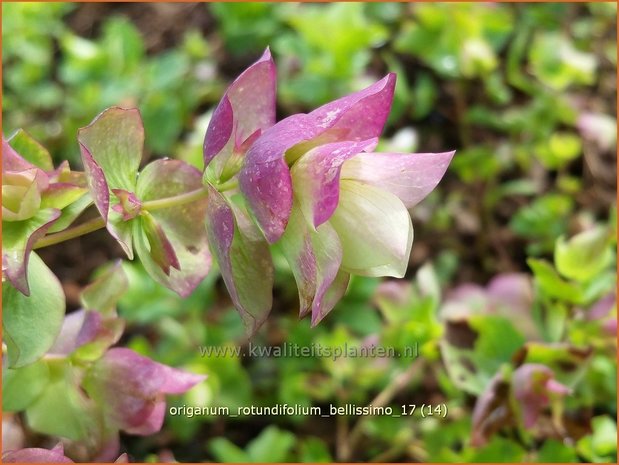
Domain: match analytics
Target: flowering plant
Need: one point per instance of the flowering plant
(310, 183)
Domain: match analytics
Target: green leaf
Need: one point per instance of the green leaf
(552, 284)
(62, 409)
(273, 445)
(227, 452)
(499, 450)
(115, 140)
(21, 386)
(558, 64)
(31, 150)
(584, 255)
(314, 450)
(32, 323)
(553, 451)
(604, 435)
(601, 445)
(498, 340)
(123, 44)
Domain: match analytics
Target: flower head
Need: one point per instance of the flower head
(314, 184)
(131, 389)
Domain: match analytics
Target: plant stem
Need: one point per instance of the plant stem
(98, 223)
(71, 233)
(176, 200)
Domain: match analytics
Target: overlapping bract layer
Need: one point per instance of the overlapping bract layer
(170, 241)
(312, 183)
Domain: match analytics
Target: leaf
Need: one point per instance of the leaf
(243, 257)
(31, 150)
(314, 450)
(583, 256)
(551, 283)
(32, 323)
(553, 451)
(271, 446)
(111, 148)
(227, 452)
(21, 386)
(62, 409)
(182, 228)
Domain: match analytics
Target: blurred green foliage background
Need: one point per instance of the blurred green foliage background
(526, 94)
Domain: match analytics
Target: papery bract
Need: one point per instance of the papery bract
(32, 201)
(265, 178)
(111, 148)
(244, 259)
(170, 241)
(131, 389)
(245, 111)
(353, 203)
(178, 231)
(96, 326)
(533, 387)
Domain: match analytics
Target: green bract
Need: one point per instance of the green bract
(31, 323)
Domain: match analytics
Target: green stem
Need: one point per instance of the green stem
(176, 200)
(99, 223)
(71, 233)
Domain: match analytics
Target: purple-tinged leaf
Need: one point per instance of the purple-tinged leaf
(115, 141)
(31, 150)
(602, 307)
(100, 192)
(265, 179)
(182, 226)
(533, 388)
(316, 178)
(219, 131)
(78, 328)
(131, 389)
(244, 259)
(361, 115)
(18, 239)
(12, 161)
(315, 258)
(111, 148)
(36, 455)
(411, 177)
(246, 109)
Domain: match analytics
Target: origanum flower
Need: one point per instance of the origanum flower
(534, 388)
(313, 184)
(33, 198)
(518, 399)
(131, 389)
